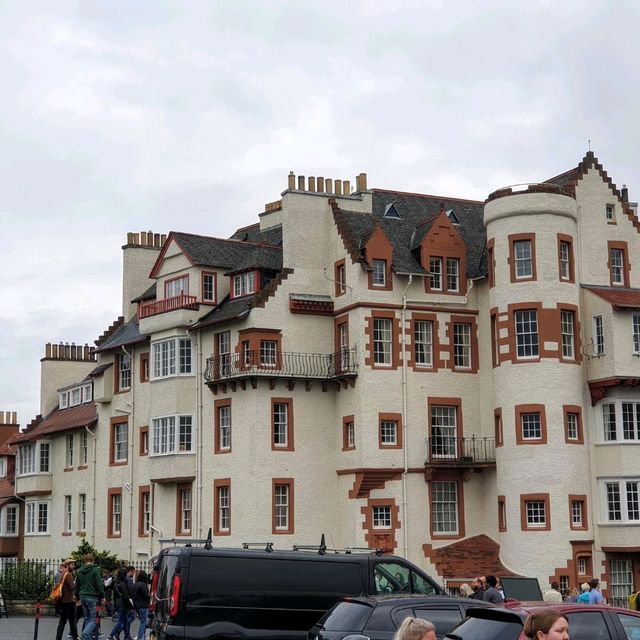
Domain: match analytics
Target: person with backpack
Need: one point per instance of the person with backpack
(123, 605)
(89, 591)
(141, 600)
(66, 604)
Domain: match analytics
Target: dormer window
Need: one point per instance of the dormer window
(390, 211)
(244, 284)
(435, 274)
(452, 216)
(173, 288)
(72, 397)
(209, 287)
(379, 278)
(64, 400)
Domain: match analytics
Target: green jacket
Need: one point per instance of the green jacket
(89, 583)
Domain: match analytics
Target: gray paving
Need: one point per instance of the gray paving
(23, 628)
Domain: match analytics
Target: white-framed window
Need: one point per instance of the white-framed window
(531, 426)
(598, 336)
(68, 513)
(185, 510)
(582, 566)
(63, 399)
(621, 421)
(351, 435)
(280, 424)
(453, 274)
(244, 284)
(146, 512)
(620, 586)
(75, 397)
(281, 507)
(523, 259)
(381, 517)
(34, 457)
(444, 507)
(573, 432)
(268, 353)
(341, 278)
(567, 324)
(423, 337)
(617, 266)
(565, 260)
(9, 520)
(116, 514)
(610, 212)
(175, 287)
(120, 441)
(635, 332)
(224, 352)
(172, 434)
(87, 393)
(382, 334)
(224, 425)
(84, 448)
(44, 457)
(224, 508)
(435, 274)
(536, 514)
(209, 287)
(462, 345)
(82, 512)
(389, 432)
(577, 514)
(444, 431)
(3, 467)
(379, 275)
(36, 518)
(124, 371)
(171, 357)
(69, 451)
(526, 322)
(621, 500)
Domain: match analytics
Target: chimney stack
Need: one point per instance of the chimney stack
(291, 181)
(625, 193)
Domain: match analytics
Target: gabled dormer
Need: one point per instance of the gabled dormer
(378, 254)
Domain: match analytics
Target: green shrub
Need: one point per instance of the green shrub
(30, 580)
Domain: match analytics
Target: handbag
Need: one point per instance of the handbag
(56, 592)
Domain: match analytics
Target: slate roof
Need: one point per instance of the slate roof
(417, 214)
(227, 310)
(272, 235)
(128, 333)
(60, 420)
(149, 294)
(619, 298)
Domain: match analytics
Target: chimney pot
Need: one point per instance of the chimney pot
(143, 238)
(292, 181)
(338, 187)
(312, 183)
(328, 183)
(346, 188)
(300, 183)
(320, 184)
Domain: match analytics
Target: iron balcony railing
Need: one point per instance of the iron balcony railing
(447, 451)
(320, 366)
(181, 301)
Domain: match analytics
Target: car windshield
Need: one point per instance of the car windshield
(480, 629)
(347, 616)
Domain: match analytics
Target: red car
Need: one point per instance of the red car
(586, 622)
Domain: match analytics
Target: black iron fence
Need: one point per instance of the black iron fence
(447, 449)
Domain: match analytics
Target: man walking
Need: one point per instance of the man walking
(89, 591)
(595, 595)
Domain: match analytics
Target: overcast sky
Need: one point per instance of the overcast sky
(188, 115)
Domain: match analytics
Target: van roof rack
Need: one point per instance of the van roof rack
(268, 546)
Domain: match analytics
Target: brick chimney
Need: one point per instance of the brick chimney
(8, 425)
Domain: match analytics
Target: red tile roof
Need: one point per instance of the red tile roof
(61, 420)
(7, 491)
(618, 298)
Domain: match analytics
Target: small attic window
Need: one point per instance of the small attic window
(452, 216)
(390, 211)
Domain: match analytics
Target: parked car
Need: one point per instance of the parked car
(378, 617)
(586, 622)
(209, 593)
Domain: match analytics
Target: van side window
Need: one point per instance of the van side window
(393, 577)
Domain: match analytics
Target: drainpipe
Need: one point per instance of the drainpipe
(131, 451)
(199, 439)
(93, 487)
(405, 449)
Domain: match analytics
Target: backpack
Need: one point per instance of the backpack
(56, 592)
(634, 601)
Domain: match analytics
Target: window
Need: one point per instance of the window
(343, 361)
(268, 351)
(171, 435)
(567, 330)
(33, 458)
(573, 424)
(435, 274)
(171, 357)
(244, 284)
(621, 421)
(622, 500)
(36, 518)
(444, 431)
(497, 427)
(223, 426)
(9, 518)
(620, 586)
(444, 507)
(381, 517)
(87, 393)
(144, 515)
(119, 441)
(82, 512)
(144, 367)
(144, 441)
(69, 452)
(115, 513)
(75, 397)
(382, 333)
(618, 264)
(389, 431)
(636, 333)
(491, 262)
(502, 513)
(526, 324)
(3, 467)
(379, 275)
(423, 342)
(282, 424)
(531, 424)
(184, 510)
(453, 275)
(565, 259)
(582, 566)
(84, 448)
(45, 449)
(534, 512)
(209, 285)
(523, 259)
(63, 399)
(223, 344)
(175, 287)
(462, 345)
(68, 514)
(124, 371)
(245, 347)
(348, 433)
(531, 429)
(578, 512)
(598, 336)
(340, 277)
(609, 212)
(222, 507)
(282, 520)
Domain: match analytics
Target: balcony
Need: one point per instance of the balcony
(154, 307)
(449, 452)
(338, 368)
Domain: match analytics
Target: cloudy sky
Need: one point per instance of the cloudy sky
(136, 115)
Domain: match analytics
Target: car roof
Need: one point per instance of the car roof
(391, 600)
(523, 609)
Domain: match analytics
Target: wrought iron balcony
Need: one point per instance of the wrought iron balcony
(449, 451)
(154, 307)
(282, 364)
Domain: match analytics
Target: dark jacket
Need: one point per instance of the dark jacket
(141, 592)
(492, 595)
(121, 593)
(67, 587)
(89, 582)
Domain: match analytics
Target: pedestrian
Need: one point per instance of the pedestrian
(573, 594)
(478, 586)
(67, 606)
(547, 624)
(553, 594)
(491, 594)
(89, 590)
(595, 595)
(583, 598)
(141, 600)
(123, 605)
(465, 590)
(415, 629)
(107, 578)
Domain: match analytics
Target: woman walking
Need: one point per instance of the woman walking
(67, 604)
(141, 601)
(123, 604)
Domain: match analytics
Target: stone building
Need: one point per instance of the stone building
(449, 380)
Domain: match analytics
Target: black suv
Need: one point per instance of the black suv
(377, 618)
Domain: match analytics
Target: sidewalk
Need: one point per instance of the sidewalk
(22, 628)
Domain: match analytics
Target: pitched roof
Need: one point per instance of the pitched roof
(128, 333)
(227, 310)
(253, 233)
(619, 298)
(60, 420)
(7, 491)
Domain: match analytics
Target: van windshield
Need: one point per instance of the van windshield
(393, 577)
(163, 590)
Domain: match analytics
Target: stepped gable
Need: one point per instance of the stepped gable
(110, 331)
(126, 334)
